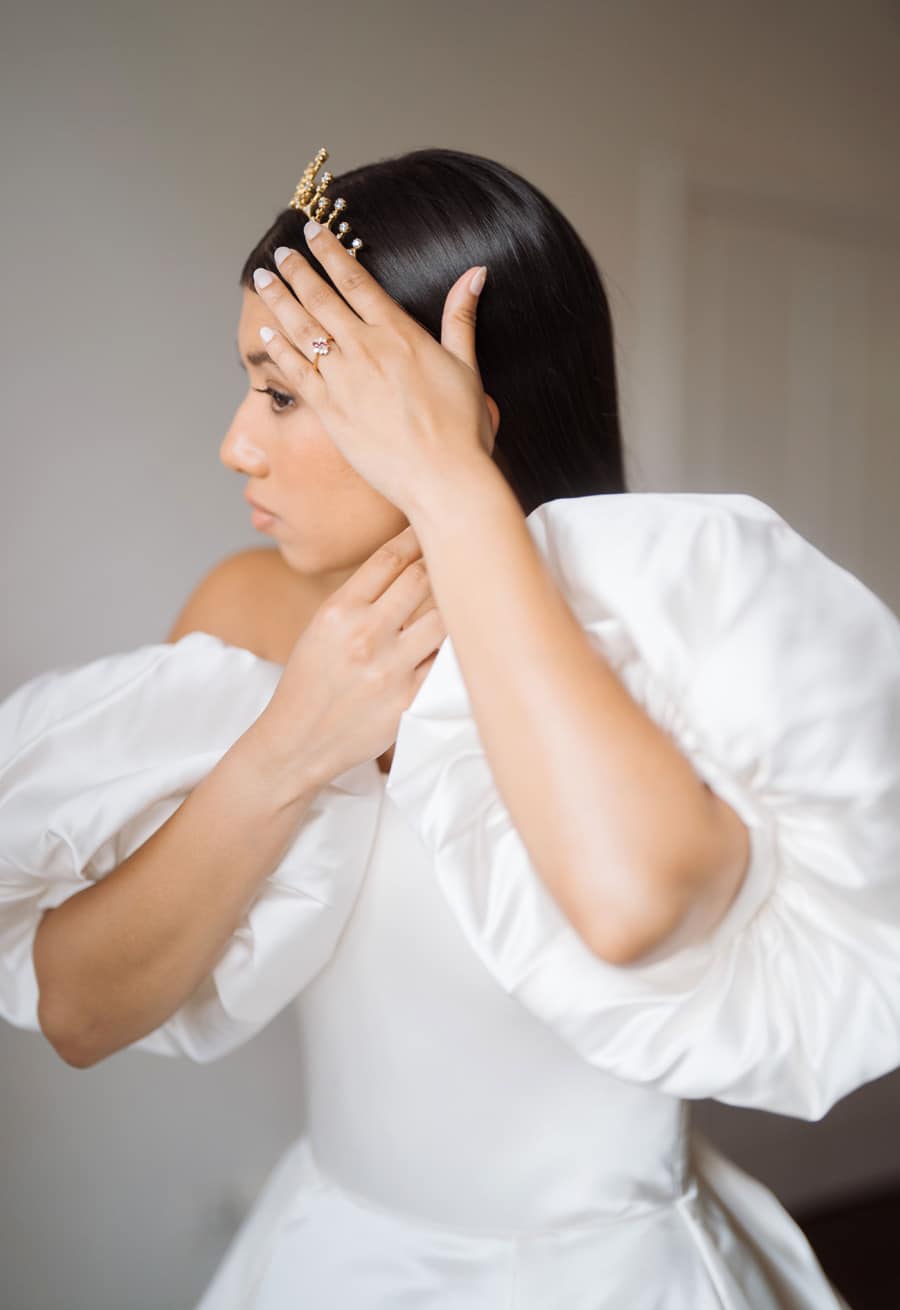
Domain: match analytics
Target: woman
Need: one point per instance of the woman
(567, 807)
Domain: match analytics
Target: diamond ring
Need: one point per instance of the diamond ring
(321, 346)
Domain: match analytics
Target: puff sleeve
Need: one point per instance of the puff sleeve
(777, 673)
(94, 759)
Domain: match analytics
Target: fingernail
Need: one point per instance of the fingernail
(281, 254)
(477, 281)
(262, 277)
(267, 334)
(312, 229)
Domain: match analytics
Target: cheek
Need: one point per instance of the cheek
(321, 495)
(307, 459)
(313, 465)
(337, 519)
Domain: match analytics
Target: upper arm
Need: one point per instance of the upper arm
(222, 603)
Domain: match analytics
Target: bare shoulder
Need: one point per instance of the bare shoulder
(249, 599)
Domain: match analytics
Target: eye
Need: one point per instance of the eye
(280, 401)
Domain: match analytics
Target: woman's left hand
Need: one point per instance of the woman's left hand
(405, 410)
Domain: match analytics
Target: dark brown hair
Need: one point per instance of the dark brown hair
(544, 334)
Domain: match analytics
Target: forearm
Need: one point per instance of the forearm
(612, 814)
(116, 960)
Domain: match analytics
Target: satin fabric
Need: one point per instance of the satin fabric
(777, 673)
(493, 1111)
(94, 759)
(458, 1154)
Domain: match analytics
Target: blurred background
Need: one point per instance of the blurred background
(733, 167)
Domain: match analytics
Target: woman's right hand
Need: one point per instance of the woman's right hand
(356, 667)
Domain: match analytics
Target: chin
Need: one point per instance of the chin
(295, 558)
(305, 556)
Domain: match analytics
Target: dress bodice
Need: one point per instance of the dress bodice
(421, 1075)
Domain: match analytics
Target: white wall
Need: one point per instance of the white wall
(733, 168)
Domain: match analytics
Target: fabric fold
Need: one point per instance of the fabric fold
(777, 673)
(94, 759)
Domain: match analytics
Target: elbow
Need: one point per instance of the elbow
(652, 926)
(61, 1035)
(74, 1059)
(57, 1016)
(617, 939)
(622, 948)
(681, 904)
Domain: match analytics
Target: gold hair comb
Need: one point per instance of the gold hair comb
(309, 196)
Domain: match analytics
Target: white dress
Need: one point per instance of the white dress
(496, 1118)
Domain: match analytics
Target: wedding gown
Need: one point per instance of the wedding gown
(496, 1117)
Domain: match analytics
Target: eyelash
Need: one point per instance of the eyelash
(276, 395)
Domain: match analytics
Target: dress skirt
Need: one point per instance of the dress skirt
(726, 1243)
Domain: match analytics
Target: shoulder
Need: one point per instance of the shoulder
(231, 599)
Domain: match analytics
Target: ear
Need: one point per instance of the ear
(495, 417)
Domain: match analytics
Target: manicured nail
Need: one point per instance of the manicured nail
(477, 281)
(281, 254)
(312, 229)
(262, 277)
(267, 334)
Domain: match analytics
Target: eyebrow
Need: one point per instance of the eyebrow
(255, 357)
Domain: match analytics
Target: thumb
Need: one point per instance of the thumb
(458, 318)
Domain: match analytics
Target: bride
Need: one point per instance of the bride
(547, 807)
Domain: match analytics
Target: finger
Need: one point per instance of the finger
(459, 318)
(359, 289)
(406, 593)
(295, 367)
(419, 641)
(420, 673)
(294, 320)
(376, 574)
(428, 603)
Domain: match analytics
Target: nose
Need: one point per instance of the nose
(240, 450)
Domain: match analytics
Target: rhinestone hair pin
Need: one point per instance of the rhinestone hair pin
(309, 197)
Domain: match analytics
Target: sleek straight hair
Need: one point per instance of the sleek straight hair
(544, 336)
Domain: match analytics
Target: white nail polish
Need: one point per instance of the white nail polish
(262, 277)
(476, 283)
(267, 334)
(281, 254)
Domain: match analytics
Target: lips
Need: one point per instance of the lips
(256, 505)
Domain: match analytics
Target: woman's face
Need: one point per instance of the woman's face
(328, 518)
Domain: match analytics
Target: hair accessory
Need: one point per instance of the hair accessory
(321, 346)
(309, 196)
